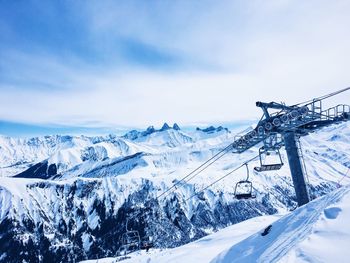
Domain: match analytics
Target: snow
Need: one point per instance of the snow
(17, 186)
(316, 232)
(203, 249)
(117, 167)
(329, 240)
(93, 220)
(86, 241)
(169, 155)
(162, 165)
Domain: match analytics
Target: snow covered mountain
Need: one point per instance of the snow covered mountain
(298, 236)
(68, 198)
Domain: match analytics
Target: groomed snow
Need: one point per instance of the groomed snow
(316, 232)
(329, 240)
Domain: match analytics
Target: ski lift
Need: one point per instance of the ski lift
(244, 188)
(131, 241)
(269, 167)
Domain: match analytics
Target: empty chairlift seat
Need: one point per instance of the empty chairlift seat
(130, 240)
(277, 162)
(268, 167)
(244, 188)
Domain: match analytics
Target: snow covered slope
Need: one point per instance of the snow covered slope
(67, 152)
(16, 155)
(202, 250)
(316, 232)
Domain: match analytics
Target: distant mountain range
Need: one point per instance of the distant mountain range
(68, 198)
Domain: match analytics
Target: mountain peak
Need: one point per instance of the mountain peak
(151, 129)
(165, 127)
(176, 127)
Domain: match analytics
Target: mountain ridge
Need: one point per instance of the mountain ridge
(81, 212)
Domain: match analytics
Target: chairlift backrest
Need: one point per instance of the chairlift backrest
(130, 242)
(243, 190)
(131, 237)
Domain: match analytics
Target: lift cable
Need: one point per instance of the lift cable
(200, 168)
(323, 97)
(194, 175)
(344, 176)
(221, 153)
(222, 177)
(217, 156)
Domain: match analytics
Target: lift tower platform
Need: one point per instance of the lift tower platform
(285, 126)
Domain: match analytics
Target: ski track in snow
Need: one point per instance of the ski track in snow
(289, 231)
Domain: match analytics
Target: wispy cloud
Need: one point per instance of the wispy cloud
(139, 63)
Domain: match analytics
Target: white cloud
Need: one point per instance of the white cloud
(256, 50)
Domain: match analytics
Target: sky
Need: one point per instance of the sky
(81, 65)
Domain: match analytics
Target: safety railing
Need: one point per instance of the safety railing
(287, 121)
(335, 112)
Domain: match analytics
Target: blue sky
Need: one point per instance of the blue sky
(97, 65)
(31, 130)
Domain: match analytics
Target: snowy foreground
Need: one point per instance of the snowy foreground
(316, 232)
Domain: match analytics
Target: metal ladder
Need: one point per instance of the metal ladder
(303, 166)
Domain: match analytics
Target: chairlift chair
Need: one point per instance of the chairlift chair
(244, 188)
(131, 240)
(268, 167)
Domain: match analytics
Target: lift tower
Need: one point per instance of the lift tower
(284, 126)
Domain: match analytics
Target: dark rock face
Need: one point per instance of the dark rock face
(134, 134)
(176, 127)
(40, 170)
(212, 129)
(94, 154)
(66, 232)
